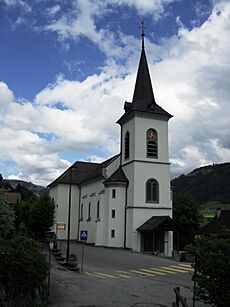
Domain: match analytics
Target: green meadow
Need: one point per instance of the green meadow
(208, 210)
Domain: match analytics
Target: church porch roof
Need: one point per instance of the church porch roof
(156, 223)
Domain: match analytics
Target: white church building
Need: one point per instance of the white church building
(124, 201)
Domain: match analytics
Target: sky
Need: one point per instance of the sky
(68, 66)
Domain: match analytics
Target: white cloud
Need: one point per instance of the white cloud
(23, 4)
(191, 81)
(82, 21)
(51, 11)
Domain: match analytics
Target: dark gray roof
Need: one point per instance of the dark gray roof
(97, 172)
(80, 170)
(143, 97)
(220, 222)
(117, 177)
(158, 222)
(143, 87)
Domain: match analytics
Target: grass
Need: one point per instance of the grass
(208, 210)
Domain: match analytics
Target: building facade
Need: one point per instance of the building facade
(124, 201)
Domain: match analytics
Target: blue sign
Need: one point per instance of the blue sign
(84, 235)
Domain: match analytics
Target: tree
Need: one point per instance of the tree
(7, 218)
(36, 215)
(41, 216)
(26, 194)
(187, 218)
(212, 269)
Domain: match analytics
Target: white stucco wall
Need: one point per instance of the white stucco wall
(137, 128)
(143, 172)
(60, 194)
(112, 167)
(141, 126)
(91, 193)
(117, 223)
(140, 216)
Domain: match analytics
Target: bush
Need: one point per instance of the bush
(7, 218)
(212, 269)
(22, 267)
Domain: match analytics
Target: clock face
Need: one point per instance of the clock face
(152, 134)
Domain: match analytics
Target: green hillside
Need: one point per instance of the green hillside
(206, 184)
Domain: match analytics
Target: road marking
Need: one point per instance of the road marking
(153, 271)
(186, 265)
(164, 271)
(173, 270)
(123, 272)
(94, 275)
(142, 273)
(105, 275)
(181, 268)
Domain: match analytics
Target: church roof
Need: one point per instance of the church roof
(80, 171)
(117, 177)
(97, 173)
(143, 97)
(158, 223)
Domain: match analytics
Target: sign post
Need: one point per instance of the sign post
(83, 237)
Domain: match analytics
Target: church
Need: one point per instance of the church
(125, 201)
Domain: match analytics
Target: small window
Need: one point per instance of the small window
(152, 191)
(89, 212)
(113, 193)
(127, 145)
(112, 233)
(113, 214)
(98, 210)
(81, 217)
(152, 147)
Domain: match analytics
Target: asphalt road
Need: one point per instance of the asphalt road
(116, 277)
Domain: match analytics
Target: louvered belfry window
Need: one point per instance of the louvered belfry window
(152, 146)
(127, 145)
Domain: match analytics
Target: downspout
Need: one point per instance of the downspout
(121, 146)
(126, 197)
(79, 209)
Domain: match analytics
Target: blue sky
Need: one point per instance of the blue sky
(66, 68)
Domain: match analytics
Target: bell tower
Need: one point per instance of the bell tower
(144, 155)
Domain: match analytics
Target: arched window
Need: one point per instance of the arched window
(98, 210)
(152, 191)
(89, 212)
(152, 150)
(127, 145)
(81, 218)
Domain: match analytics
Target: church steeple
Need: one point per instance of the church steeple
(143, 97)
(143, 88)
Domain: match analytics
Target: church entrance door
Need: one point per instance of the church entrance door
(159, 242)
(148, 241)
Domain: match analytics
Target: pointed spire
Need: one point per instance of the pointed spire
(143, 97)
(143, 87)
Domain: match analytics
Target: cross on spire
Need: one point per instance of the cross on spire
(143, 34)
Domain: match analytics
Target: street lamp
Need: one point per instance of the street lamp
(69, 216)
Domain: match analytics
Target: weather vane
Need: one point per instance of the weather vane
(143, 33)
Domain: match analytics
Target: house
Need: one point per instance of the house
(218, 224)
(12, 197)
(124, 201)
